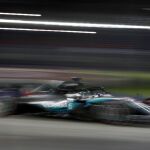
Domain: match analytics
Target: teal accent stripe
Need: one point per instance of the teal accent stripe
(98, 100)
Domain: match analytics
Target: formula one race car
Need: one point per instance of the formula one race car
(92, 107)
(89, 104)
(72, 99)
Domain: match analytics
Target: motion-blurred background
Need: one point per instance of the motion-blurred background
(104, 42)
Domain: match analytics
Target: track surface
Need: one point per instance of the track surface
(22, 133)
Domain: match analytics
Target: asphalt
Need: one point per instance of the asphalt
(30, 133)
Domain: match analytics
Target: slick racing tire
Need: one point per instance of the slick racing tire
(147, 101)
(7, 106)
(109, 114)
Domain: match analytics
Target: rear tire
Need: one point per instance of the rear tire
(7, 106)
